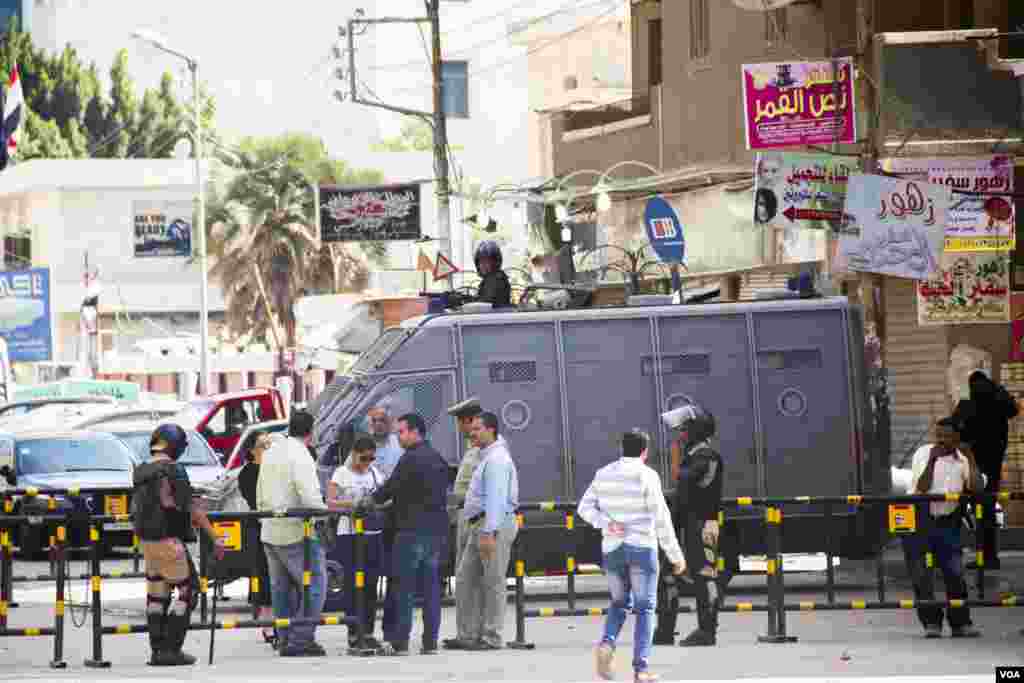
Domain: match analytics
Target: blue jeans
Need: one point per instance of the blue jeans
(632, 573)
(285, 563)
(944, 542)
(417, 562)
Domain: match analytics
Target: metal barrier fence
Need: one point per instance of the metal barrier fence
(904, 511)
(96, 577)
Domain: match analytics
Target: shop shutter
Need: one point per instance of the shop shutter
(916, 358)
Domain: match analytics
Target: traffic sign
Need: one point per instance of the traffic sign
(443, 268)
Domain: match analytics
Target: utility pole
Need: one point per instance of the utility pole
(436, 117)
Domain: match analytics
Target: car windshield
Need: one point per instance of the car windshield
(192, 415)
(197, 453)
(55, 455)
(379, 351)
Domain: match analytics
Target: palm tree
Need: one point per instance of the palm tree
(263, 240)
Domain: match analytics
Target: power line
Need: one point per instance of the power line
(565, 9)
(476, 74)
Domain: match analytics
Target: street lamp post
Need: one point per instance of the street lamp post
(199, 230)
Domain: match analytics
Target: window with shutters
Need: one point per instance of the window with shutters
(776, 26)
(700, 30)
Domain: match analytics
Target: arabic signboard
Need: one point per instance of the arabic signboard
(370, 214)
(895, 226)
(25, 321)
(664, 231)
(163, 228)
(976, 222)
(792, 104)
(801, 190)
(969, 288)
(78, 388)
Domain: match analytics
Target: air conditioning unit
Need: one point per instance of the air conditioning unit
(570, 83)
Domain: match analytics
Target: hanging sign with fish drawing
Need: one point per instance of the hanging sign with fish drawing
(893, 227)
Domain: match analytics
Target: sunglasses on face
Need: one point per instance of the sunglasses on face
(365, 459)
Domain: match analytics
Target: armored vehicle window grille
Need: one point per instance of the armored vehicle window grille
(380, 351)
(793, 359)
(688, 364)
(513, 371)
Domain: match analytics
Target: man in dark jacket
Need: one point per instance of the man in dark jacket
(495, 288)
(419, 489)
(984, 422)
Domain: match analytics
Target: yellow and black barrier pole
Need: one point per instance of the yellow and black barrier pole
(830, 570)
(96, 662)
(520, 570)
(204, 581)
(570, 560)
(60, 557)
(359, 599)
(979, 544)
(7, 581)
(776, 587)
(307, 562)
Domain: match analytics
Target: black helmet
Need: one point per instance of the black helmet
(169, 439)
(696, 421)
(487, 249)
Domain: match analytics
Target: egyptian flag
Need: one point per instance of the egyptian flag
(14, 113)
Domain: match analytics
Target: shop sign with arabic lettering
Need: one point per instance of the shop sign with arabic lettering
(981, 222)
(895, 227)
(801, 190)
(792, 104)
(370, 214)
(970, 288)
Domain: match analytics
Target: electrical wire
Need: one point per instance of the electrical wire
(477, 73)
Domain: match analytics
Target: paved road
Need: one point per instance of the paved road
(847, 646)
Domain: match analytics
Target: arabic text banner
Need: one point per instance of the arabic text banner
(970, 288)
(377, 214)
(976, 222)
(792, 104)
(894, 226)
(801, 190)
(25, 322)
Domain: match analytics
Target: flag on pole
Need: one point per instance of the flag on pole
(14, 114)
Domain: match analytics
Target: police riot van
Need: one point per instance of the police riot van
(785, 380)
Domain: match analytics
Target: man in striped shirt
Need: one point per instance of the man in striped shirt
(626, 502)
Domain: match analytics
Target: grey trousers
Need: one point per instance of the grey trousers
(285, 564)
(461, 537)
(480, 597)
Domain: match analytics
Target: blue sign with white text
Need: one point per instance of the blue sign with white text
(664, 231)
(25, 321)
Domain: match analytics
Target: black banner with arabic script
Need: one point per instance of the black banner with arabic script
(380, 213)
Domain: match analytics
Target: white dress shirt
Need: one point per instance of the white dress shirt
(951, 476)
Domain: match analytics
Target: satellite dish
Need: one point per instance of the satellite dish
(763, 5)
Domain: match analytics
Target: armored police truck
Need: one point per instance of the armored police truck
(785, 380)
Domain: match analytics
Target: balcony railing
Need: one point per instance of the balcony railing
(607, 113)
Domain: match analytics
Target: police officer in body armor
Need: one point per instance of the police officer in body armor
(163, 517)
(698, 498)
(495, 288)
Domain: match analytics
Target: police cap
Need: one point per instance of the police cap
(468, 408)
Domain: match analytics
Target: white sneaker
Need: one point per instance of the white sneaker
(605, 655)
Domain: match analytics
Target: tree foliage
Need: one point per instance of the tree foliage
(417, 136)
(261, 224)
(70, 116)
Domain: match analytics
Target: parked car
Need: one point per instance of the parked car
(116, 415)
(200, 461)
(68, 459)
(62, 416)
(235, 459)
(222, 418)
(22, 407)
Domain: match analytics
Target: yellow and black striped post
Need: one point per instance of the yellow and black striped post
(570, 560)
(136, 553)
(359, 558)
(520, 642)
(776, 591)
(307, 565)
(979, 543)
(7, 565)
(96, 550)
(204, 581)
(60, 557)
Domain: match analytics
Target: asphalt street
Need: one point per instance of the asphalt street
(848, 646)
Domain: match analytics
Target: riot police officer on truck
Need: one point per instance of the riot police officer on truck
(698, 471)
(495, 288)
(163, 516)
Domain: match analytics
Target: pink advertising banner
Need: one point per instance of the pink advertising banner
(791, 104)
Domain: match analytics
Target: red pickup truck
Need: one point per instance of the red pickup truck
(222, 418)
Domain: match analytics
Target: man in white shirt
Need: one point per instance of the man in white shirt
(288, 479)
(941, 468)
(389, 451)
(626, 502)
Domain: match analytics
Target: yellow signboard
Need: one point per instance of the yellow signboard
(1000, 243)
(230, 533)
(902, 519)
(115, 505)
